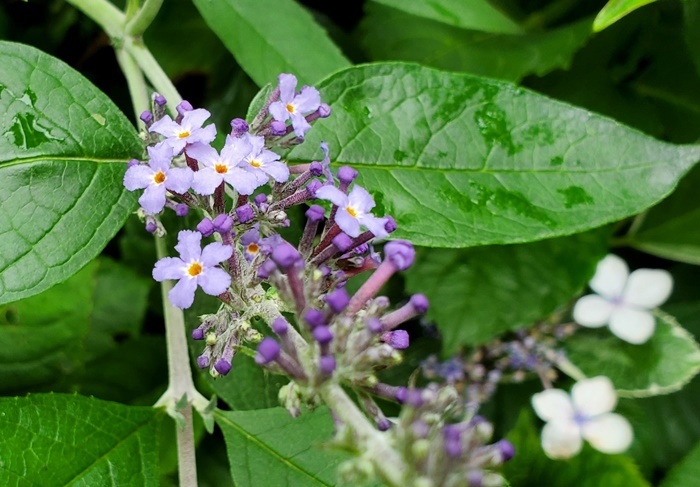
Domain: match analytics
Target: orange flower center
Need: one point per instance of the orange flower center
(194, 269)
(221, 168)
(159, 177)
(290, 108)
(253, 248)
(351, 211)
(255, 163)
(184, 134)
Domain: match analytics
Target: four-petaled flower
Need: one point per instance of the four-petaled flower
(263, 163)
(623, 300)
(293, 105)
(215, 168)
(194, 267)
(188, 131)
(156, 177)
(586, 414)
(354, 210)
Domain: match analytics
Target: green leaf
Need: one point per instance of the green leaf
(46, 339)
(269, 447)
(477, 294)
(662, 365)
(691, 17)
(461, 161)
(475, 14)
(671, 229)
(590, 468)
(686, 473)
(614, 10)
(265, 45)
(53, 440)
(63, 145)
(390, 34)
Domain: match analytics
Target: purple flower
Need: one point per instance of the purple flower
(215, 168)
(294, 106)
(156, 177)
(188, 131)
(262, 163)
(353, 210)
(194, 267)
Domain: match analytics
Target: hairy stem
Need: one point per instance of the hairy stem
(140, 99)
(136, 26)
(153, 72)
(104, 14)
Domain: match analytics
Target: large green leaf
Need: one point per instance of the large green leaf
(46, 340)
(269, 37)
(476, 294)
(614, 10)
(390, 35)
(691, 15)
(686, 473)
(461, 161)
(589, 468)
(63, 145)
(475, 14)
(268, 447)
(56, 440)
(664, 364)
(671, 229)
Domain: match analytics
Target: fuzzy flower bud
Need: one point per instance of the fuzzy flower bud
(268, 350)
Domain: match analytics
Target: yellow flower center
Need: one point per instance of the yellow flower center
(194, 269)
(255, 163)
(159, 177)
(351, 211)
(221, 168)
(184, 134)
(253, 248)
(290, 108)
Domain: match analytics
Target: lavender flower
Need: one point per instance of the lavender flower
(194, 267)
(354, 210)
(188, 131)
(156, 177)
(215, 168)
(263, 163)
(293, 106)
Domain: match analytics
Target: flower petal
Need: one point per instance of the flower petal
(360, 198)
(138, 177)
(243, 181)
(632, 325)
(609, 433)
(278, 111)
(375, 225)
(288, 85)
(347, 223)
(153, 198)
(333, 194)
(182, 294)
(648, 288)
(553, 404)
(592, 311)
(189, 245)
(204, 154)
(166, 126)
(206, 180)
(308, 100)
(610, 277)
(301, 126)
(214, 253)
(169, 268)
(179, 179)
(233, 153)
(593, 396)
(193, 119)
(278, 170)
(561, 439)
(214, 281)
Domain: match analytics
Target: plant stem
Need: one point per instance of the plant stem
(104, 14)
(388, 463)
(135, 80)
(153, 72)
(143, 18)
(180, 379)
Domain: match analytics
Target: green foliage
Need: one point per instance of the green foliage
(58, 439)
(686, 473)
(664, 364)
(476, 14)
(483, 162)
(266, 45)
(614, 10)
(590, 468)
(62, 158)
(269, 447)
(390, 34)
(477, 294)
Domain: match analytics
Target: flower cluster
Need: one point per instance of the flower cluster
(334, 339)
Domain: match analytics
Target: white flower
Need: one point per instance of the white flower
(585, 415)
(623, 300)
